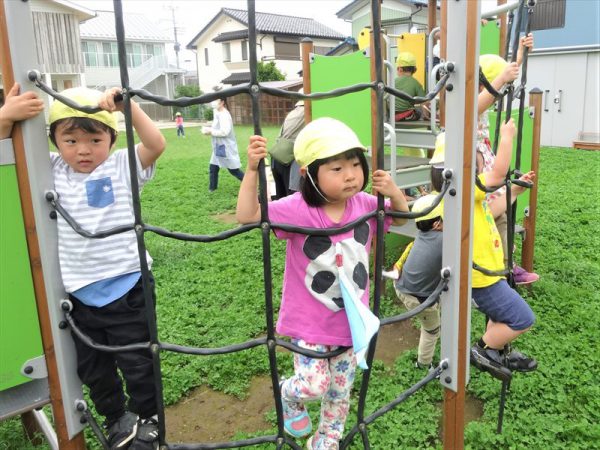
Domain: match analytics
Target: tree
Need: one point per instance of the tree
(269, 72)
(186, 90)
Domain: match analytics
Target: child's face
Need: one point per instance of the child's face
(81, 150)
(340, 179)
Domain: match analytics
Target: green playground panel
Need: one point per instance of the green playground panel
(19, 326)
(489, 38)
(332, 72)
(526, 146)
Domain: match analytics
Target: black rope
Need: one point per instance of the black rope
(254, 89)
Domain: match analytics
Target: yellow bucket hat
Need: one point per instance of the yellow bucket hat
(422, 203)
(406, 59)
(492, 66)
(323, 138)
(85, 97)
(440, 150)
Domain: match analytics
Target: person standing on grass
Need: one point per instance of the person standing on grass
(334, 173)
(224, 145)
(498, 72)
(102, 276)
(509, 314)
(179, 125)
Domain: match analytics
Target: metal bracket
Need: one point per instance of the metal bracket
(35, 368)
(7, 153)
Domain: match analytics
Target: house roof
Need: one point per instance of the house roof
(137, 27)
(237, 78)
(274, 24)
(347, 11)
(80, 12)
(232, 36)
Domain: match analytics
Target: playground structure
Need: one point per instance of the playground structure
(35, 186)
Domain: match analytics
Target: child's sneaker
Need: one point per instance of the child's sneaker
(296, 421)
(122, 431)
(147, 435)
(319, 442)
(423, 366)
(490, 360)
(520, 362)
(521, 276)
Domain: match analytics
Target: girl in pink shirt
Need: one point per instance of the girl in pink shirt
(334, 173)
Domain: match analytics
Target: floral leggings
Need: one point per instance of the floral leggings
(329, 379)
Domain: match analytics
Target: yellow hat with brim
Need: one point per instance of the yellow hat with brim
(406, 59)
(440, 150)
(323, 138)
(422, 203)
(492, 66)
(84, 97)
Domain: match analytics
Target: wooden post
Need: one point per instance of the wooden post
(77, 443)
(431, 15)
(307, 48)
(502, 19)
(535, 101)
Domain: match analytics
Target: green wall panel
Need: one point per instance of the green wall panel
(332, 72)
(20, 338)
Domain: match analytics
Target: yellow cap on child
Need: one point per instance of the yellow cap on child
(422, 203)
(324, 138)
(84, 97)
(491, 66)
(406, 59)
(440, 150)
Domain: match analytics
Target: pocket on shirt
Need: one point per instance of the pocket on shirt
(220, 150)
(100, 192)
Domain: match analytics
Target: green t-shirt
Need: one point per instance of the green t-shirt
(412, 87)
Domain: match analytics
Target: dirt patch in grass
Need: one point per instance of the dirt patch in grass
(209, 416)
(227, 217)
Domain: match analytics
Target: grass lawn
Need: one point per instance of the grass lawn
(212, 295)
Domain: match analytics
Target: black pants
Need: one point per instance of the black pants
(213, 181)
(121, 322)
(281, 175)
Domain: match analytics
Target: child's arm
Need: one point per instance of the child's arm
(18, 107)
(524, 41)
(384, 185)
(248, 208)
(152, 142)
(485, 99)
(496, 176)
(498, 205)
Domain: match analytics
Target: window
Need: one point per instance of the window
(226, 52)
(287, 48)
(90, 53)
(245, 50)
(548, 14)
(206, 57)
(110, 55)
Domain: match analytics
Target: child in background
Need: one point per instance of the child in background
(179, 124)
(406, 66)
(509, 315)
(418, 273)
(498, 72)
(334, 173)
(102, 276)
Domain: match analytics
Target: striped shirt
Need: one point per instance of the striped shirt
(97, 201)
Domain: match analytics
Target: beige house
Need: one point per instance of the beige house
(222, 45)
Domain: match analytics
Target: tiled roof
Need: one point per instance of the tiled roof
(137, 27)
(231, 36)
(279, 24)
(237, 78)
(274, 24)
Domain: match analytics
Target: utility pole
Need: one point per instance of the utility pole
(176, 46)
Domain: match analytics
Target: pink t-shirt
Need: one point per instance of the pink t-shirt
(312, 304)
(178, 120)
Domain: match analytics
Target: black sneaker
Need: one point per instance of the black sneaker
(122, 431)
(489, 360)
(520, 362)
(147, 435)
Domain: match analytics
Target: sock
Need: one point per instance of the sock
(482, 343)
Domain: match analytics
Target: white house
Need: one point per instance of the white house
(222, 45)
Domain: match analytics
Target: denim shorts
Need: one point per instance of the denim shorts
(503, 304)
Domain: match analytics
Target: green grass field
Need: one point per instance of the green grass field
(212, 295)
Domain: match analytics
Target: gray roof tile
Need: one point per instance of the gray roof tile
(137, 27)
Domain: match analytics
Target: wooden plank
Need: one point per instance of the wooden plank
(584, 145)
